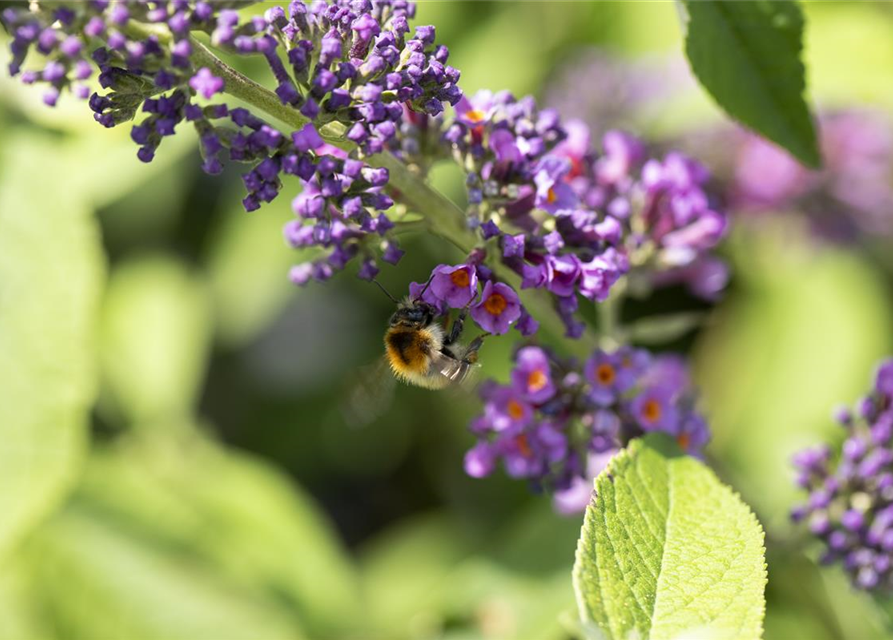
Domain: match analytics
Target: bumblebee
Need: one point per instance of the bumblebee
(419, 352)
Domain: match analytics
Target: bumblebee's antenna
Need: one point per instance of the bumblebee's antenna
(381, 286)
(424, 289)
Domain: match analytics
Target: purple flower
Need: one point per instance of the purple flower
(599, 274)
(622, 153)
(526, 325)
(884, 378)
(580, 493)
(480, 461)
(505, 410)
(608, 376)
(848, 505)
(206, 83)
(552, 193)
(477, 111)
(692, 433)
(529, 454)
(456, 286)
(654, 410)
(498, 309)
(531, 376)
(505, 148)
(566, 270)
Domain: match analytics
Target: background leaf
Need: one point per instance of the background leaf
(800, 335)
(667, 551)
(747, 55)
(145, 592)
(156, 331)
(234, 517)
(51, 268)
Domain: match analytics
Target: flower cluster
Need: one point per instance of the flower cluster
(572, 219)
(850, 504)
(351, 62)
(556, 424)
(852, 194)
(658, 211)
(495, 308)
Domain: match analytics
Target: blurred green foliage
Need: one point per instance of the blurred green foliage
(222, 494)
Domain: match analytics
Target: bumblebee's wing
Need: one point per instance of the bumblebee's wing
(370, 393)
(455, 372)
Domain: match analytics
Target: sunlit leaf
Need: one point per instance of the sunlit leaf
(51, 269)
(97, 580)
(248, 268)
(667, 551)
(233, 516)
(156, 327)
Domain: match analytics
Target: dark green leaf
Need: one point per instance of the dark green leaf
(747, 56)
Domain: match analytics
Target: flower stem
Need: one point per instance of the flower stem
(445, 219)
(609, 322)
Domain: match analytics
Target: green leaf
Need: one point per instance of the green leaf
(232, 516)
(248, 267)
(96, 580)
(51, 269)
(663, 328)
(747, 56)
(667, 551)
(156, 329)
(782, 352)
(426, 577)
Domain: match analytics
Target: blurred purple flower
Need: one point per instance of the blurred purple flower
(849, 506)
(532, 376)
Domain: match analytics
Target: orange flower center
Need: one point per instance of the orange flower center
(460, 277)
(551, 197)
(523, 445)
(651, 410)
(516, 411)
(537, 380)
(495, 304)
(475, 115)
(684, 440)
(605, 373)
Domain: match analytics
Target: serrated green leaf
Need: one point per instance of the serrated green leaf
(667, 551)
(747, 56)
(51, 269)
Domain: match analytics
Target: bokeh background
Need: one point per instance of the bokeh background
(214, 489)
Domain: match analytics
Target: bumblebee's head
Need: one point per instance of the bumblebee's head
(414, 314)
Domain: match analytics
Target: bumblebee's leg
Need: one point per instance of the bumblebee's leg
(456, 328)
(471, 353)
